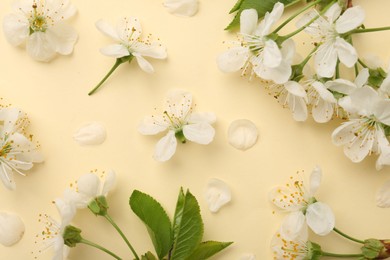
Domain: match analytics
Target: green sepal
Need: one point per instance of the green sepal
(207, 249)
(314, 251)
(156, 220)
(72, 236)
(376, 77)
(372, 248)
(99, 206)
(188, 227)
(148, 256)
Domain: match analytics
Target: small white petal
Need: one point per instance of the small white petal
(320, 218)
(295, 88)
(152, 125)
(16, 28)
(217, 194)
(333, 13)
(166, 147)
(90, 134)
(322, 111)
(242, 134)
(272, 54)
(39, 47)
(201, 133)
(11, 228)
(383, 196)
(293, 226)
(248, 21)
(115, 50)
(182, 7)
(270, 19)
(109, 182)
(153, 50)
(233, 59)
(88, 184)
(325, 60)
(143, 64)
(362, 77)
(341, 85)
(346, 52)
(67, 211)
(352, 18)
(107, 29)
(315, 180)
(7, 177)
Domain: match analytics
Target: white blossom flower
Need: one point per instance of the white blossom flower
(41, 25)
(181, 123)
(328, 31)
(127, 35)
(89, 187)
(383, 196)
(52, 236)
(304, 210)
(17, 152)
(259, 51)
(363, 134)
(296, 249)
(182, 7)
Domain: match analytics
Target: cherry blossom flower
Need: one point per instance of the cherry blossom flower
(259, 51)
(127, 35)
(304, 209)
(41, 25)
(182, 124)
(363, 134)
(182, 7)
(328, 31)
(17, 152)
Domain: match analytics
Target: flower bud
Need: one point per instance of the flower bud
(72, 236)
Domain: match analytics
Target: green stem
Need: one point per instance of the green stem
(348, 237)
(303, 63)
(378, 29)
(296, 14)
(122, 235)
(86, 242)
(308, 23)
(341, 255)
(362, 63)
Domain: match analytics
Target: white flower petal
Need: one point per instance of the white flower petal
(107, 29)
(279, 75)
(325, 60)
(166, 147)
(109, 182)
(233, 59)
(178, 103)
(242, 134)
(362, 77)
(7, 177)
(365, 100)
(182, 7)
(143, 64)
(293, 226)
(89, 185)
(341, 85)
(272, 54)
(152, 125)
(153, 50)
(67, 211)
(16, 28)
(60, 10)
(39, 47)
(201, 133)
(11, 228)
(352, 18)
(198, 117)
(320, 218)
(315, 180)
(62, 38)
(382, 111)
(383, 196)
(128, 29)
(270, 19)
(278, 196)
(346, 52)
(385, 86)
(288, 51)
(333, 13)
(295, 89)
(217, 194)
(90, 134)
(324, 93)
(298, 107)
(322, 111)
(115, 50)
(248, 21)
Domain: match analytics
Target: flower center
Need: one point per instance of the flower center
(37, 21)
(7, 147)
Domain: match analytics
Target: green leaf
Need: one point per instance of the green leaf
(188, 227)
(262, 6)
(208, 249)
(155, 219)
(148, 256)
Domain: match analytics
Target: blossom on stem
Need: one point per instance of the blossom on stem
(182, 124)
(329, 31)
(258, 50)
(41, 25)
(17, 152)
(304, 209)
(127, 35)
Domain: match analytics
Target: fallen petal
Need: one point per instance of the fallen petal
(242, 134)
(11, 228)
(90, 134)
(182, 7)
(217, 194)
(383, 196)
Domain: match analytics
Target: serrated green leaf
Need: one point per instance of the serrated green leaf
(155, 219)
(262, 6)
(148, 256)
(208, 249)
(236, 7)
(188, 227)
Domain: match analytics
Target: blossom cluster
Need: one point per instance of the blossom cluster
(17, 151)
(318, 86)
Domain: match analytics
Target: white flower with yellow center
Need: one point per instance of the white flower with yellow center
(304, 209)
(284, 249)
(40, 24)
(17, 152)
(181, 123)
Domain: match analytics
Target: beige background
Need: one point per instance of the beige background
(55, 97)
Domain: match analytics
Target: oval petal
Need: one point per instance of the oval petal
(11, 228)
(242, 134)
(217, 194)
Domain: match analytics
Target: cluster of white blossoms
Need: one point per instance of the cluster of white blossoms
(17, 152)
(364, 102)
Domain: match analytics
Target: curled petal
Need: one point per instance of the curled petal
(201, 133)
(270, 19)
(166, 147)
(109, 182)
(383, 196)
(320, 218)
(295, 89)
(233, 59)
(341, 85)
(217, 194)
(11, 228)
